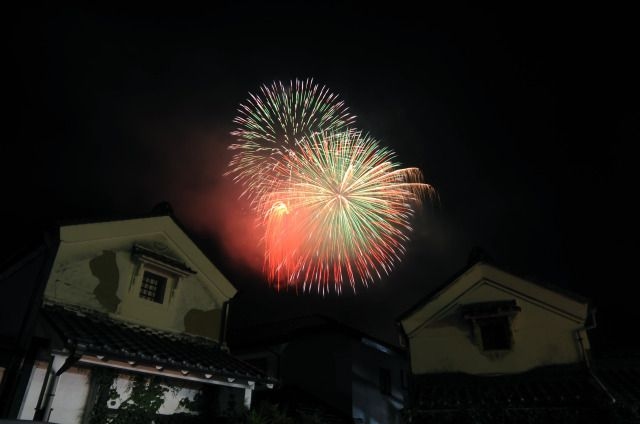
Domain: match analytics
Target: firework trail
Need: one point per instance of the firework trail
(343, 215)
(272, 122)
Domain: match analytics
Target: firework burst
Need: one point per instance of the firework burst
(341, 215)
(272, 122)
(334, 206)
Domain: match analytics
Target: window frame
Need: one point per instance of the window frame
(163, 279)
(482, 313)
(481, 327)
(172, 269)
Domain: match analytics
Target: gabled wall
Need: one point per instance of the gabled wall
(544, 332)
(94, 268)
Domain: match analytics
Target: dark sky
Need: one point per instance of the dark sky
(524, 119)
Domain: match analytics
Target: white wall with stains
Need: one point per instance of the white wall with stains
(101, 275)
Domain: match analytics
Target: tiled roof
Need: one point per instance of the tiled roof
(97, 334)
(620, 373)
(549, 387)
(623, 382)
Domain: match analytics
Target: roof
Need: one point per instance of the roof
(94, 333)
(452, 281)
(620, 373)
(547, 387)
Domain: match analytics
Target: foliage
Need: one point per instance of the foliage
(145, 397)
(313, 417)
(265, 413)
(102, 379)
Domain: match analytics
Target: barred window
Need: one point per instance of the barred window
(153, 286)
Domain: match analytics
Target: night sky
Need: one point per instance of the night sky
(524, 120)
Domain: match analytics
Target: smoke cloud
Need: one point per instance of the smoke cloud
(187, 167)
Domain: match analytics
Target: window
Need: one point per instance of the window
(153, 287)
(161, 273)
(385, 381)
(491, 324)
(495, 333)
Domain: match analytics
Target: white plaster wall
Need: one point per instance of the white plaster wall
(71, 396)
(171, 400)
(72, 282)
(28, 407)
(192, 294)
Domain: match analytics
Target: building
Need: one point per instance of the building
(327, 368)
(489, 342)
(134, 297)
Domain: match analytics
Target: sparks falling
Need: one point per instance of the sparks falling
(333, 204)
